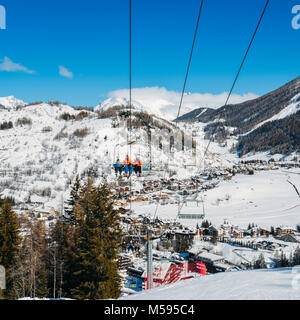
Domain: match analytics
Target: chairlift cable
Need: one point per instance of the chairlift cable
(190, 58)
(130, 65)
(237, 76)
(233, 85)
(130, 88)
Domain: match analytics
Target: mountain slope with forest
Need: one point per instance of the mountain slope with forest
(268, 123)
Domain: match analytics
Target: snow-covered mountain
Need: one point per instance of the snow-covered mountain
(118, 101)
(155, 100)
(292, 107)
(43, 147)
(264, 124)
(247, 115)
(164, 103)
(268, 123)
(10, 102)
(162, 108)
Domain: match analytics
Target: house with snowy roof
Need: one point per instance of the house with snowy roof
(210, 258)
(238, 233)
(283, 230)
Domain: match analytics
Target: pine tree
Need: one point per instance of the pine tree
(60, 259)
(41, 247)
(33, 258)
(182, 243)
(291, 260)
(276, 259)
(205, 224)
(281, 261)
(214, 239)
(296, 257)
(284, 260)
(9, 244)
(74, 196)
(98, 237)
(260, 263)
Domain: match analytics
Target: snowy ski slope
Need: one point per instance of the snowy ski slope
(263, 284)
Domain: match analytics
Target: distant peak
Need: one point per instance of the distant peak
(11, 102)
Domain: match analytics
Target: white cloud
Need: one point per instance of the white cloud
(9, 66)
(165, 103)
(64, 72)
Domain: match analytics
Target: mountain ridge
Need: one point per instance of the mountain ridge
(232, 114)
(274, 118)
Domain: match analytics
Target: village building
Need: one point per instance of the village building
(238, 234)
(280, 231)
(264, 232)
(212, 261)
(223, 267)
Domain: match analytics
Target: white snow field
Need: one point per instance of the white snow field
(263, 284)
(265, 198)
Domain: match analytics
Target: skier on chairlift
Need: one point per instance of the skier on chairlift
(128, 166)
(118, 168)
(138, 167)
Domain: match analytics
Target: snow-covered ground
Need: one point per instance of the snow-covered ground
(33, 159)
(35, 163)
(265, 198)
(238, 255)
(41, 158)
(44, 153)
(263, 284)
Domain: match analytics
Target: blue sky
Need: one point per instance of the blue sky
(90, 40)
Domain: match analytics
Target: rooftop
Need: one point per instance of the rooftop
(210, 256)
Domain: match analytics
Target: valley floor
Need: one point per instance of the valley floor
(265, 198)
